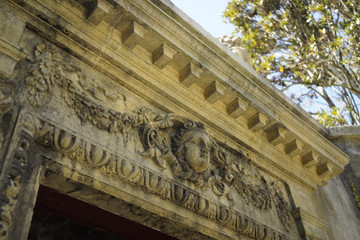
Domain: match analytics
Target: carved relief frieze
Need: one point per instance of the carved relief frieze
(11, 186)
(44, 71)
(196, 157)
(172, 142)
(85, 152)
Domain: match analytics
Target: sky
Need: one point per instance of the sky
(207, 13)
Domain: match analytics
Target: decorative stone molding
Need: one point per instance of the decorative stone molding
(294, 148)
(276, 135)
(98, 11)
(324, 170)
(191, 154)
(225, 164)
(85, 152)
(214, 92)
(187, 153)
(190, 74)
(116, 59)
(310, 159)
(163, 55)
(11, 186)
(257, 122)
(133, 34)
(45, 70)
(237, 107)
(9, 56)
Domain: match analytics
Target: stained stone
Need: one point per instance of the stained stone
(97, 105)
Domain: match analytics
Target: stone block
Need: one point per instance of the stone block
(257, 122)
(133, 34)
(99, 11)
(294, 148)
(163, 55)
(214, 92)
(324, 170)
(7, 65)
(190, 74)
(276, 135)
(236, 107)
(310, 159)
(11, 27)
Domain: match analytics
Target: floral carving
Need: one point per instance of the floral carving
(82, 151)
(171, 141)
(254, 190)
(188, 153)
(45, 71)
(282, 206)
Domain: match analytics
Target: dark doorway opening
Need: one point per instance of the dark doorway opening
(60, 217)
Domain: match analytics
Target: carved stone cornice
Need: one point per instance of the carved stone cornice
(105, 46)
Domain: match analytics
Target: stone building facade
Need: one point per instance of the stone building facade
(134, 111)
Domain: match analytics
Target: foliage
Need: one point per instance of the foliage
(314, 43)
(354, 192)
(331, 118)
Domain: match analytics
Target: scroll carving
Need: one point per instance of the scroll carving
(82, 151)
(171, 141)
(11, 187)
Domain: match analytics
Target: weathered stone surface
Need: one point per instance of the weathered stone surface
(340, 211)
(163, 55)
(98, 12)
(11, 29)
(190, 74)
(108, 113)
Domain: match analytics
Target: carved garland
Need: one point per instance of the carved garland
(187, 153)
(11, 188)
(82, 151)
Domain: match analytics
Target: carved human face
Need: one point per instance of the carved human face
(197, 151)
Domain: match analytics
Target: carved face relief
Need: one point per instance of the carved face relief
(197, 150)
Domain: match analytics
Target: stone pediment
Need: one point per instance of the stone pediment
(135, 100)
